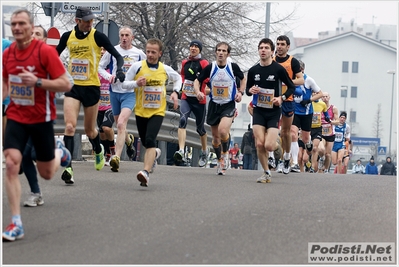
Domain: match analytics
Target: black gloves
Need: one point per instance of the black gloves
(327, 119)
(120, 76)
(305, 102)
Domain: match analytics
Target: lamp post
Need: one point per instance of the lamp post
(390, 123)
(344, 94)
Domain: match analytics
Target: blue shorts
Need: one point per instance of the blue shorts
(122, 100)
(338, 146)
(287, 108)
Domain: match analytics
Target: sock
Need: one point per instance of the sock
(294, 152)
(96, 144)
(268, 172)
(16, 219)
(106, 146)
(218, 151)
(69, 144)
(287, 156)
(271, 154)
(225, 144)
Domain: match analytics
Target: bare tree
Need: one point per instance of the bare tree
(177, 23)
(377, 125)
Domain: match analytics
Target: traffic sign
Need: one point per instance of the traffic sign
(47, 6)
(382, 150)
(70, 7)
(53, 37)
(113, 31)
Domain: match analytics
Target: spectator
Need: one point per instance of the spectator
(371, 168)
(234, 154)
(246, 148)
(358, 168)
(388, 168)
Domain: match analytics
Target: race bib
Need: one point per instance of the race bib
(152, 96)
(126, 66)
(265, 98)
(326, 129)
(80, 69)
(220, 90)
(104, 98)
(20, 93)
(339, 137)
(188, 88)
(316, 118)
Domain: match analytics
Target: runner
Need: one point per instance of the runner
(224, 93)
(190, 70)
(84, 44)
(148, 79)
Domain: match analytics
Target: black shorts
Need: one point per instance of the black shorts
(315, 133)
(105, 118)
(217, 111)
(303, 122)
(330, 139)
(42, 134)
(287, 108)
(87, 95)
(269, 118)
(234, 165)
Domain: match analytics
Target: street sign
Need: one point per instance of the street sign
(113, 31)
(382, 150)
(70, 7)
(47, 6)
(53, 37)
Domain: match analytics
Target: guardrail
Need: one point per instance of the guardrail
(167, 133)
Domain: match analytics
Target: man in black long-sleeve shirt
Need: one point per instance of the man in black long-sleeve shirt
(84, 44)
(264, 83)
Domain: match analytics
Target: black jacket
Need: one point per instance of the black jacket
(388, 169)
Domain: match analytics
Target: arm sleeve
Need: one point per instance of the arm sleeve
(102, 40)
(104, 62)
(63, 42)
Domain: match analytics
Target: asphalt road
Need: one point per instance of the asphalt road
(191, 215)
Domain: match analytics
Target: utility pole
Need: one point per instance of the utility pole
(267, 22)
(106, 18)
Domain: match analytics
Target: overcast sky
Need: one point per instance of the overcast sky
(316, 16)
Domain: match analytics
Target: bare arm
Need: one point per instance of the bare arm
(60, 84)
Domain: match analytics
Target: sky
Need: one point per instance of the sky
(317, 16)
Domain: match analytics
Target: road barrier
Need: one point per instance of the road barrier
(167, 133)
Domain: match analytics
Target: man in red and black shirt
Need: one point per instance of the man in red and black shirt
(190, 69)
(32, 73)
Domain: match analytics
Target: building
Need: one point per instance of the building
(353, 69)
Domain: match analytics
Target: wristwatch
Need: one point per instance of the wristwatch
(283, 97)
(39, 82)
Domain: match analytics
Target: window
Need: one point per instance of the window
(355, 67)
(352, 116)
(344, 91)
(345, 66)
(354, 92)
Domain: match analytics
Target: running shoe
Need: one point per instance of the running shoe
(66, 155)
(280, 167)
(272, 163)
(13, 232)
(321, 163)
(67, 175)
(220, 168)
(143, 178)
(34, 200)
(311, 170)
(99, 159)
(115, 160)
(203, 159)
(225, 157)
(295, 168)
(286, 167)
(107, 159)
(179, 155)
(157, 155)
(130, 150)
(265, 178)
